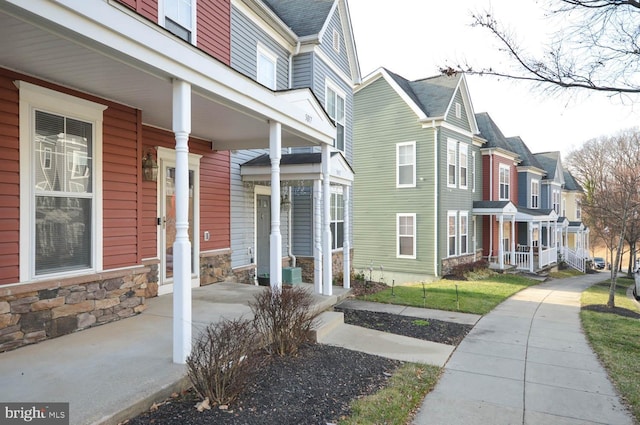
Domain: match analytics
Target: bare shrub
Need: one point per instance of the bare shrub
(284, 319)
(223, 360)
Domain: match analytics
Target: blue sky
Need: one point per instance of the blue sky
(414, 37)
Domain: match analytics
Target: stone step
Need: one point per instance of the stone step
(325, 323)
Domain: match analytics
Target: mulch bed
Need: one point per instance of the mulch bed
(317, 386)
(602, 308)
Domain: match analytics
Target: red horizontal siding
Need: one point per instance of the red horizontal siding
(214, 28)
(146, 8)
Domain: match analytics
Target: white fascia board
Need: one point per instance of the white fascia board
(166, 57)
(347, 28)
(532, 170)
(466, 99)
(329, 63)
(261, 15)
(502, 153)
(429, 123)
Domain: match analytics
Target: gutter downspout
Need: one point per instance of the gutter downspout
(290, 212)
(295, 53)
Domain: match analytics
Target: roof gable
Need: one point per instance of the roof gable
(526, 157)
(551, 163)
(490, 131)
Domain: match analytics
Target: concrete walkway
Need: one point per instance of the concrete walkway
(527, 362)
(114, 371)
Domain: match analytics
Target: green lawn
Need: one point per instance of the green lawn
(478, 297)
(616, 339)
(394, 404)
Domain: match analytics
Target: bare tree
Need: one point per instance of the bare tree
(607, 169)
(597, 50)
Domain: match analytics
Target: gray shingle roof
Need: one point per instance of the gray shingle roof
(549, 162)
(527, 158)
(492, 133)
(570, 183)
(303, 17)
(433, 95)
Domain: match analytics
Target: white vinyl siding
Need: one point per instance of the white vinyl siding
(406, 164)
(406, 231)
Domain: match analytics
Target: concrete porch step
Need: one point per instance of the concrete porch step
(326, 323)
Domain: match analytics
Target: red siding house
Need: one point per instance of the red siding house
(116, 124)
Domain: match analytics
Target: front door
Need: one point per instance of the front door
(167, 219)
(263, 231)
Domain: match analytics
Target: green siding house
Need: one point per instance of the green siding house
(417, 158)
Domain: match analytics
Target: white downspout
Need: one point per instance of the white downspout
(295, 53)
(289, 229)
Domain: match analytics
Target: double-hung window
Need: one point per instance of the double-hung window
(60, 222)
(335, 109)
(578, 209)
(556, 201)
(406, 164)
(337, 218)
(266, 67)
(535, 194)
(473, 171)
(179, 18)
(505, 182)
(463, 226)
(464, 165)
(451, 163)
(452, 233)
(406, 231)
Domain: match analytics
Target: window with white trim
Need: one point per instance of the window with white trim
(266, 67)
(578, 209)
(463, 156)
(451, 163)
(473, 171)
(60, 169)
(337, 217)
(406, 231)
(179, 18)
(406, 164)
(335, 109)
(505, 182)
(463, 226)
(555, 199)
(452, 234)
(535, 193)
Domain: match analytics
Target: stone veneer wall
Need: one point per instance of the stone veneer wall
(215, 266)
(306, 264)
(449, 263)
(34, 312)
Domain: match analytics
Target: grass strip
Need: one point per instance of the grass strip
(398, 400)
(616, 340)
(478, 297)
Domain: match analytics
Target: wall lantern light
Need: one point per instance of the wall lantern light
(149, 168)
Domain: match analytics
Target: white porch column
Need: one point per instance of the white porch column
(500, 243)
(182, 247)
(346, 247)
(531, 247)
(275, 238)
(327, 268)
(317, 236)
(513, 240)
(586, 240)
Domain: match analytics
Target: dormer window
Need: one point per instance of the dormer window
(179, 18)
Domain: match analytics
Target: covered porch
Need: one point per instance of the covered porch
(537, 239)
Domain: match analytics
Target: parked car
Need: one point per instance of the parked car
(598, 263)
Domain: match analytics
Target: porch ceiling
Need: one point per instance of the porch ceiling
(228, 109)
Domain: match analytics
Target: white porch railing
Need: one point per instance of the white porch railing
(523, 260)
(548, 256)
(574, 259)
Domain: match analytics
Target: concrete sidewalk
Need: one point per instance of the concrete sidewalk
(527, 362)
(111, 372)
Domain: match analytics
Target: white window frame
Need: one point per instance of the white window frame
(555, 200)
(452, 155)
(473, 171)
(535, 194)
(452, 237)
(399, 235)
(264, 54)
(339, 121)
(504, 170)
(463, 248)
(162, 15)
(411, 164)
(337, 194)
(458, 110)
(578, 209)
(463, 164)
(32, 98)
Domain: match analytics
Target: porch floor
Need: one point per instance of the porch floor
(109, 371)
